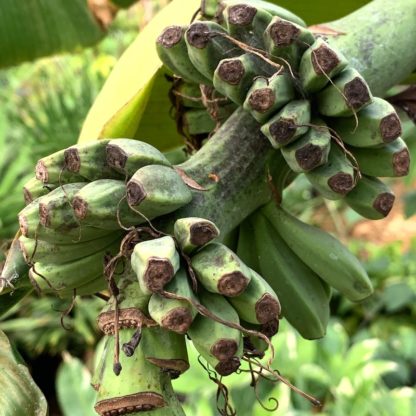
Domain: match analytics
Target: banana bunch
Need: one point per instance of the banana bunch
(311, 103)
(78, 206)
(156, 304)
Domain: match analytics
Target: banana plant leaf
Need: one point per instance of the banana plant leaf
(135, 84)
(31, 29)
(20, 396)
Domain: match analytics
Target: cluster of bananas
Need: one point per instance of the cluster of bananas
(312, 105)
(156, 306)
(79, 202)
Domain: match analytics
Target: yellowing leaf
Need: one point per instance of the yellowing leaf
(119, 107)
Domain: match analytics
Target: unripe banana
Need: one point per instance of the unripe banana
(30, 227)
(103, 204)
(89, 160)
(304, 299)
(173, 314)
(166, 350)
(324, 254)
(192, 233)
(197, 121)
(390, 160)
(97, 284)
(157, 190)
(245, 247)
(207, 46)
(189, 94)
(311, 150)
(34, 188)
(378, 123)
(45, 252)
(155, 262)
(271, 8)
(127, 155)
(219, 270)
(346, 95)
(267, 95)
(52, 170)
(286, 41)
(319, 64)
(132, 306)
(255, 345)
(371, 198)
(336, 178)
(233, 77)
(291, 122)
(259, 303)
(214, 339)
(70, 275)
(247, 23)
(55, 210)
(137, 387)
(172, 50)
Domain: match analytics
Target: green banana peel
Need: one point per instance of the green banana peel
(20, 395)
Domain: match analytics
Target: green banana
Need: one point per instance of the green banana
(324, 254)
(311, 150)
(255, 345)
(192, 233)
(155, 262)
(245, 249)
(137, 387)
(55, 210)
(97, 284)
(103, 204)
(219, 270)
(45, 252)
(390, 160)
(89, 160)
(214, 339)
(177, 155)
(52, 170)
(172, 50)
(259, 303)
(319, 64)
(165, 349)
(286, 41)
(30, 227)
(207, 45)
(34, 188)
(173, 314)
(233, 77)
(72, 274)
(197, 121)
(371, 198)
(247, 23)
(132, 306)
(346, 95)
(188, 94)
(336, 178)
(267, 95)
(302, 294)
(269, 7)
(378, 123)
(126, 156)
(291, 122)
(157, 190)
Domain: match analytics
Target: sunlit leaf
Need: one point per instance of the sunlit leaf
(121, 105)
(30, 29)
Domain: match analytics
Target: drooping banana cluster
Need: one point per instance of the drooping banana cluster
(156, 305)
(79, 204)
(312, 104)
